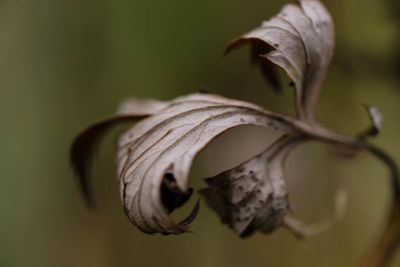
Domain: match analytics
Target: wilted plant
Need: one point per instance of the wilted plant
(155, 155)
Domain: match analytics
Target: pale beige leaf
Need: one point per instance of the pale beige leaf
(156, 154)
(302, 38)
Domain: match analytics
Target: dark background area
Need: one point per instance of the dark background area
(65, 64)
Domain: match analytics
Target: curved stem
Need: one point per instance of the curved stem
(391, 164)
(387, 243)
(389, 239)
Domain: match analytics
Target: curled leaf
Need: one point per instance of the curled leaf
(302, 38)
(156, 154)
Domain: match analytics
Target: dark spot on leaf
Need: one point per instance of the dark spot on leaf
(169, 177)
(241, 120)
(172, 197)
(291, 84)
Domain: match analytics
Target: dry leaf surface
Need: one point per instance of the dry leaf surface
(156, 154)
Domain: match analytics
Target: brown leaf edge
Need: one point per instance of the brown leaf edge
(84, 147)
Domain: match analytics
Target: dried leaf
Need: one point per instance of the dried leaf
(155, 155)
(84, 144)
(253, 195)
(302, 37)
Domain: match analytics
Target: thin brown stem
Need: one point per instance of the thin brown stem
(388, 241)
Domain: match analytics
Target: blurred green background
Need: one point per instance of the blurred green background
(65, 64)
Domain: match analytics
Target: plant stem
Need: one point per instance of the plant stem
(388, 241)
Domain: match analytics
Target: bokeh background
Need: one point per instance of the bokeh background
(65, 64)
